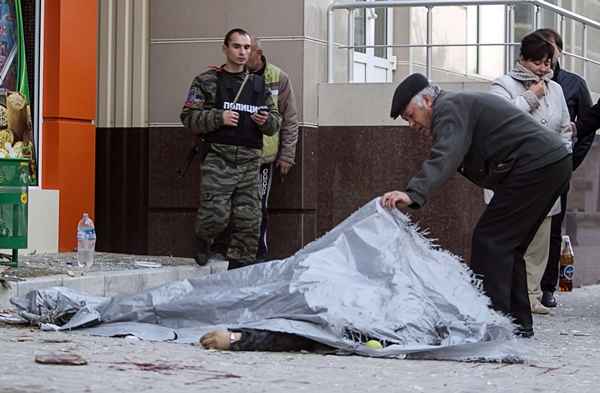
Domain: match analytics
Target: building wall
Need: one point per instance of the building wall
(183, 41)
(69, 110)
(142, 206)
(347, 140)
(123, 63)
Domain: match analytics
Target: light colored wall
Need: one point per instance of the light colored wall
(368, 104)
(42, 222)
(181, 39)
(186, 37)
(123, 38)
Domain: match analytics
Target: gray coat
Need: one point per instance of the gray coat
(485, 138)
(550, 110)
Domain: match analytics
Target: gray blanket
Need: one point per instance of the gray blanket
(373, 276)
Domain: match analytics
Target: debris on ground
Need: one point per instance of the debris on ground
(147, 264)
(9, 317)
(59, 358)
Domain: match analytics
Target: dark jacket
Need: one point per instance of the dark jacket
(485, 138)
(578, 100)
(587, 125)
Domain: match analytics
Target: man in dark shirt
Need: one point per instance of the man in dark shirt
(589, 121)
(230, 109)
(578, 100)
(499, 147)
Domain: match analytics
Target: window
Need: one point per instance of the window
(381, 30)
(372, 27)
(360, 27)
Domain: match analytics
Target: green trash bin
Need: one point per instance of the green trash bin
(14, 199)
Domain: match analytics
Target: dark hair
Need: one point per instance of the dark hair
(232, 32)
(535, 47)
(551, 35)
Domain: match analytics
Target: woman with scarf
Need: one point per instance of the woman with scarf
(530, 87)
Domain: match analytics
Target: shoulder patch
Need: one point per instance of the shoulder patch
(195, 98)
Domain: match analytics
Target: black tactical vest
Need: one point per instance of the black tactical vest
(251, 99)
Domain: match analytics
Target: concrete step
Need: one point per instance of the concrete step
(111, 283)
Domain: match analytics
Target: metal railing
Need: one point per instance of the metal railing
(429, 5)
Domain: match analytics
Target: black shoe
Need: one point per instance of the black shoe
(203, 253)
(201, 259)
(524, 332)
(238, 263)
(548, 299)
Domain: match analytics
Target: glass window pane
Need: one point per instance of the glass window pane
(360, 22)
(491, 31)
(524, 22)
(381, 32)
(549, 18)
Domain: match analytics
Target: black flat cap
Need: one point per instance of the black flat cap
(405, 91)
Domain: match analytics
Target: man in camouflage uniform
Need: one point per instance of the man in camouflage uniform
(230, 110)
(279, 150)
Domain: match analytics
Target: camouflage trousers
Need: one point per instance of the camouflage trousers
(229, 197)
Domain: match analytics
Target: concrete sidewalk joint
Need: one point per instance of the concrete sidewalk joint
(126, 282)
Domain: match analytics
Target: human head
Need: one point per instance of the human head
(555, 39)
(419, 111)
(236, 47)
(537, 54)
(255, 61)
(413, 100)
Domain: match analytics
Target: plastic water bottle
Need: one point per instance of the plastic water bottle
(86, 241)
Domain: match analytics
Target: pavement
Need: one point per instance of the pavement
(564, 356)
(110, 275)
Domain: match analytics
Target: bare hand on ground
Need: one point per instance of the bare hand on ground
(218, 339)
(230, 118)
(396, 199)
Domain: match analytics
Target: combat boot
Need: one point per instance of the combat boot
(203, 252)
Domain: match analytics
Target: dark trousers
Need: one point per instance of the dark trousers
(550, 277)
(263, 340)
(505, 230)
